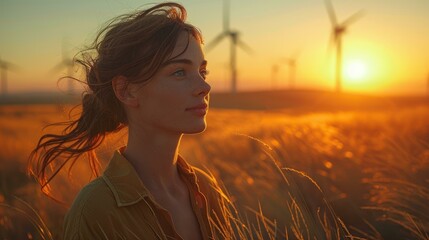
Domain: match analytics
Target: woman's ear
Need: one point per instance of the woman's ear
(123, 91)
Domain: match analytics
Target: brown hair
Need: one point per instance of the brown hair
(132, 45)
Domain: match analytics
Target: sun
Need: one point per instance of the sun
(356, 71)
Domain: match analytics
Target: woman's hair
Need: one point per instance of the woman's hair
(132, 45)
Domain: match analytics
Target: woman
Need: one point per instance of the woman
(148, 74)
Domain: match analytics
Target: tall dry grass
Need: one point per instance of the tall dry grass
(371, 170)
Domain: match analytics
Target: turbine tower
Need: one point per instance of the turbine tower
(338, 29)
(234, 36)
(68, 64)
(427, 86)
(4, 68)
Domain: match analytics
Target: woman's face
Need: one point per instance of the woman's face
(176, 99)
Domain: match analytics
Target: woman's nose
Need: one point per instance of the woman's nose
(203, 88)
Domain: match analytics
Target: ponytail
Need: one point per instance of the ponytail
(81, 136)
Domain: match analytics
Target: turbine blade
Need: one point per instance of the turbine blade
(244, 46)
(226, 4)
(68, 62)
(215, 41)
(353, 18)
(8, 66)
(3, 64)
(57, 67)
(331, 12)
(12, 67)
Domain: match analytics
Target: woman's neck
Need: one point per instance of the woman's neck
(154, 157)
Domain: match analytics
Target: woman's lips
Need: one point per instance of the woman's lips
(200, 109)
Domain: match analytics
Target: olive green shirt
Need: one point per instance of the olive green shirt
(118, 206)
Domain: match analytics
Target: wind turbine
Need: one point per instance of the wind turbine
(4, 67)
(274, 72)
(338, 29)
(292, 62)
(67, 63)
(234, 36)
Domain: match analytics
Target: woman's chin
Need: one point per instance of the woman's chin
(197, 128)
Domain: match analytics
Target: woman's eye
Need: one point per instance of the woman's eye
(179, 73)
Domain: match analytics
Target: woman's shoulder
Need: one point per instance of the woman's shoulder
(94, 196)
(92, 203)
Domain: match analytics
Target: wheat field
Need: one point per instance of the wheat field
(372, 167)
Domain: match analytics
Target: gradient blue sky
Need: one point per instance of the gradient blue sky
(392, 40)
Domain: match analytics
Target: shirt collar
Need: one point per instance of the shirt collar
(126, 185)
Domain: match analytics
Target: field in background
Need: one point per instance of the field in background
(373, 165)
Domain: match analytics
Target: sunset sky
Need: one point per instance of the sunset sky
(384, 52)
